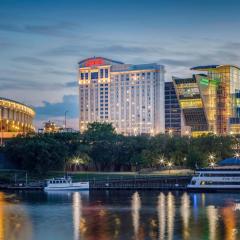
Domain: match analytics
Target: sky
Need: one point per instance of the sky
(41, 43)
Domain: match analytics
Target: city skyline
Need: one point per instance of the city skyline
(41, 44)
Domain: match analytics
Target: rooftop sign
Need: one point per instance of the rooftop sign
(94, 62)
(97, 61)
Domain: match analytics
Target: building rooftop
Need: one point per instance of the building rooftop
(208, 67)
(13, 101)
(229, 162)
(96, 61)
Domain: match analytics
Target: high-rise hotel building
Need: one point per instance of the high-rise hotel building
(131, 97)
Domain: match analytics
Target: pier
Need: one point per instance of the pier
(147, 183)
(138, 182)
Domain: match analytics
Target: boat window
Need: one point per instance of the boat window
(221, 175)
(202, 183)
(193, 182)
(220, 183)
(50, 181)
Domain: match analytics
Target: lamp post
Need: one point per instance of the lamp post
(169, 166)
(65, 119)
(237, 155)
(211, 159)
(161, 161)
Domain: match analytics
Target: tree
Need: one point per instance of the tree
(37, 154)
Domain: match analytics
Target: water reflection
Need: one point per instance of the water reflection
(14, 222)
(111, 216)
(77, 214)
(136, 206)
(229, 219)
(161, 209)
(185, 213)
(212, 214)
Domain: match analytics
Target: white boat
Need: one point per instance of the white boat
(59, 184)
(216, 179)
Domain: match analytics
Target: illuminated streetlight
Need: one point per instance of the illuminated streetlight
(236, 155)
(211, 156)
(169, 164)
(161, 160)
(212, 164)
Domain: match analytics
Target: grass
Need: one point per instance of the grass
(118, 175)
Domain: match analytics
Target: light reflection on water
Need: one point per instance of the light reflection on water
(14, 222)
(136, 205)
(119, 215)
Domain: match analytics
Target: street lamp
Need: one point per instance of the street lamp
(212, 164)
(161, 160)
(169, 164)
(211, 158)
(236, 155)
(65, 119)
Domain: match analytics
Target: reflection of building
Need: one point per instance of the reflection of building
(131, 97)
(15, 118)
(172, 110)
(211, 102)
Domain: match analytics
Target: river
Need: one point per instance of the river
(110, 215)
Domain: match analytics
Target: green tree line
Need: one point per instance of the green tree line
(100, 148)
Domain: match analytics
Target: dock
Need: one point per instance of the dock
(133, 183)
(146, 183)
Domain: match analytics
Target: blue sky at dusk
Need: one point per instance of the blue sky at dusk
(42, 41)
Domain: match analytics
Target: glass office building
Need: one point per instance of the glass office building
(131, 97)
(210, 100)
(172, 110)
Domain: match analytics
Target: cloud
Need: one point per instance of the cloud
(8, 83)
(31, 60)
(56, 30)
(123, 49)
(49, 110)
(66, 50)
(60, 72)
(72, 84)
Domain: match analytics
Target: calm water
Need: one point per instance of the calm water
(122, 215)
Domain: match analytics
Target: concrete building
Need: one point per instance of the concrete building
(131, 97)
(15, 118)
(210, 101)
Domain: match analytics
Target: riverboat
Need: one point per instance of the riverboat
(216, 179)
(65, 183)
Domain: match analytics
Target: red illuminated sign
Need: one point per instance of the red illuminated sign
(94, 62)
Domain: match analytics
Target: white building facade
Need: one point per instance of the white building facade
(131, 97)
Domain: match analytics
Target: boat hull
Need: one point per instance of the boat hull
(213, 190)
(65, 188)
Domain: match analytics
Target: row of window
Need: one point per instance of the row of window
(94, 75)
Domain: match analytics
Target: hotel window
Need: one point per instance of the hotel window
(82, 76)
(101, 73)
(86, 75)
(94, 75)
(106, 73)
